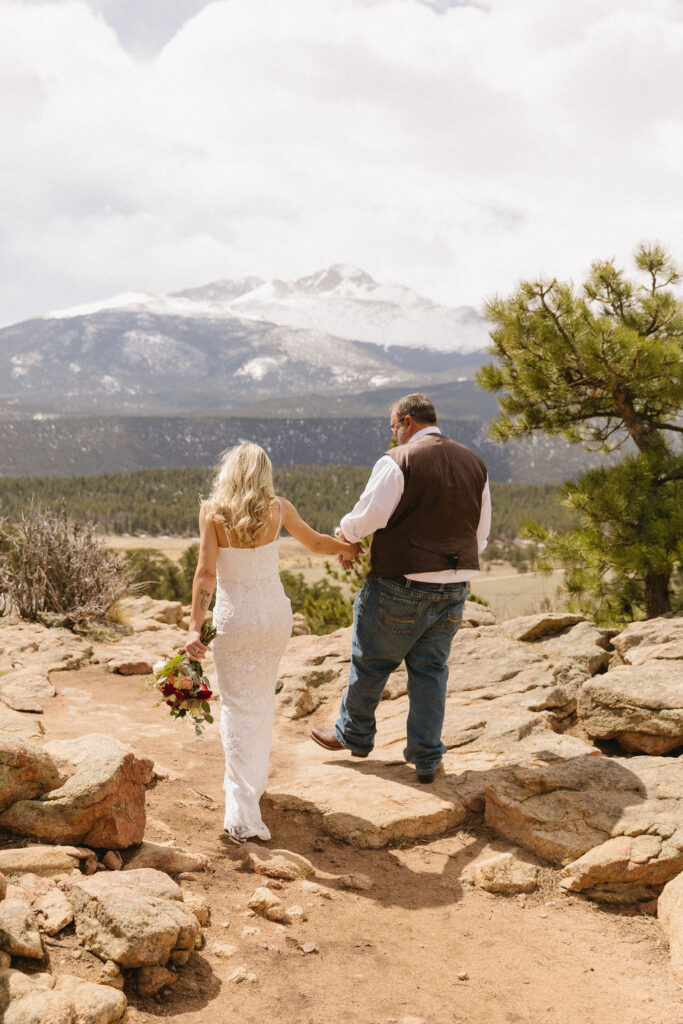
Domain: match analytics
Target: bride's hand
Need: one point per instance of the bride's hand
(351, 555)
(194, 647)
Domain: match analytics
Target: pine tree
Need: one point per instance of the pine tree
(603, 367)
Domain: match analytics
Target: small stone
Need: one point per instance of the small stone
(90, 866)
(276, 863)
(248, 932)
(113, 860)
(273, 883)
(77, 954)
(463, 976)
(242, 974)
(109, 974)
(296, 913)
(19, 935)
(355, 881)
(266, 903)
(308, 947)
(225, 924)
(187, 876)
(223, 951)
(649, 907)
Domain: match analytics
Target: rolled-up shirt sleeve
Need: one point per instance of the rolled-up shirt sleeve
(484, 527)
(376, 504)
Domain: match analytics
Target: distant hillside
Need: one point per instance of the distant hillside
(70, 446)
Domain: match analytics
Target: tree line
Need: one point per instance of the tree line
(166, 501)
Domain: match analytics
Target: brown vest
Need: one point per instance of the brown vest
(436, 519)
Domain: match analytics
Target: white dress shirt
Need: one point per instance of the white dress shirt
(382, 493)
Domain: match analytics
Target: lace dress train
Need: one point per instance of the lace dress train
(254, 621)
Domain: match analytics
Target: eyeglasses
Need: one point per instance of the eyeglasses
(395, 426)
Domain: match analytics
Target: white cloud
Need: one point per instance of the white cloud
(451, 147)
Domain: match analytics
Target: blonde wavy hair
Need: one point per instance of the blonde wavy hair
(242, 493)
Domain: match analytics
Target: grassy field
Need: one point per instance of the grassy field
(510, 593)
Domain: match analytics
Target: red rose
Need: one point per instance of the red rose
(204, 692)
(168, 689)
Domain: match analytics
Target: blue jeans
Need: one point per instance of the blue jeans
(393, 622)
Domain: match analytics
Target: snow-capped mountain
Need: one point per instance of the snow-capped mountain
(234, 343)
(342, 301)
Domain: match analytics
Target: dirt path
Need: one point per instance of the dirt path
(390, 953)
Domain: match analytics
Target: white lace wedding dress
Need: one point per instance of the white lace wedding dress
(254, 621)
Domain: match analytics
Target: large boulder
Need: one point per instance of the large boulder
(627, 812)
(102, 804)
(26, 770)
(670, 914)
(639, 706)
(135, 918)
(661, 639)
(46, 999)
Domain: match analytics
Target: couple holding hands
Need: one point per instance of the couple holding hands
(427, 505)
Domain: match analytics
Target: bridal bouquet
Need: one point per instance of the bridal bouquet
(182, 685)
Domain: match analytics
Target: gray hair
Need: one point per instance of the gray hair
(417, 406)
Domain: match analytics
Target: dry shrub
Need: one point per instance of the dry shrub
(52, 565)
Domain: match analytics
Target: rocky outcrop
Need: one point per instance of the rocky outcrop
(627, 812)
(640, 706)
(34, 998)
(102, 804)
(135, 918)
(26, 771)
(26, 689)
(659, 639)
(670, 914)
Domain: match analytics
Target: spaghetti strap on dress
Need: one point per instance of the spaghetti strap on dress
(254, 620)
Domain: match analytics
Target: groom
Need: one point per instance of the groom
(428, 505)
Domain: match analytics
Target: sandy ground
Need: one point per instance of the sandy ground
(391, 954)
(509, 592)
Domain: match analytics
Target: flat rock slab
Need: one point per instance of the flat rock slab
(102, 804)
(27, 727)
(33, 998)
(135, 918)
(26, 689)
(561, 812)
(48, 861)
(171, 859)
(641, 706)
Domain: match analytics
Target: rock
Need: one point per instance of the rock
(101, 804)
(223, 950)
(615, 824)
(275, 863)
(639, 706)
(136, 918)
(475, 614)
(5, 961)
(26, 689)
(242, 974)
(463, 976)
(299, 625)
(54, 911)
(151, 980)
(584, 644)
(506, 873)
(670, 914)
(659, 639)
(19, 935)
(356, 881)
(27, 727)
(264, 902)
(26, 771)
(308, 947)
(113, 860)
(165, 858)
(144, 607)
(48, 861)
(535, 627)
(46, 999)
(314, 668)
(34, 887)
(625, 869)
(198, 905)
(296, 914)
(3, 887)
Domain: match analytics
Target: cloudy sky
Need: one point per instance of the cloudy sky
(451, 146)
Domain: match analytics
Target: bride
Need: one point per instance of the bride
(239, 527)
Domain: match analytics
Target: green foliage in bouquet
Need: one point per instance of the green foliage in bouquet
(182, 685)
